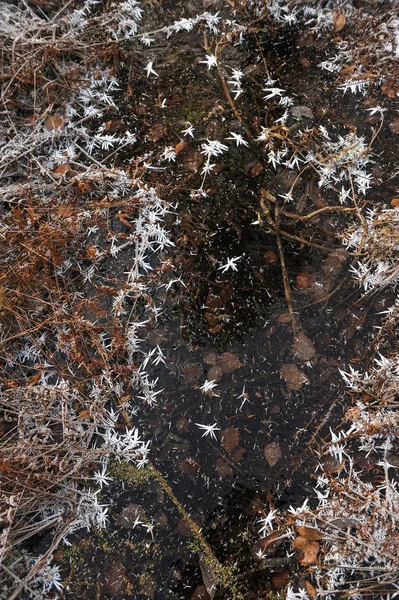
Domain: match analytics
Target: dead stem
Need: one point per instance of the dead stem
(313, 214)
(228, 95)
(286, 284)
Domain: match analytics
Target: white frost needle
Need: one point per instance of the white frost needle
(273, 92)
(189, 131)
(376, 110)
(208, 386)
(209, 429)
(101, 478)
(231, 264)
(238, 139)
(210, 61)
(150, 70)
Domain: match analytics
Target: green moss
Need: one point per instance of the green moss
(128, 473)
(75, 554)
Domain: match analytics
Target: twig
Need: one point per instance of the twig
(228, 95)
(286, 284)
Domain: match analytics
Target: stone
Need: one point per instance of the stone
(141, 109)
(304, 348)
(305, 39)
(182, 424)
(272, 453)
(293, 377)
(322, 287)
(148, 586)
(161, 520)
(184, 528)
(129, 515)
(229, 438)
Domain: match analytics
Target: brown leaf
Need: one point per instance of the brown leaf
(84, 414)
(54, 122)
(311, 590)
(62, 169)
(65, 210)
(339, 21)
(309, 533)
(348, 69)
(180, 146)
(308, 550)
(266, 546)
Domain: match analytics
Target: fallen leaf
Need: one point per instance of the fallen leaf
(84, 414)
(54, 122)
(180, 146)
(309, 533)
(65, 210)
(339, 21)
(308, 550)
(311, 590)
(62, 169)
(266, 546)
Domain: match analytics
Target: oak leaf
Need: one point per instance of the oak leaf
(308, 550)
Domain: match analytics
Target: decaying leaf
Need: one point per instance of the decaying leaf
(309, 533)
(339, 20)
(266, 546)
(308, 550)
(84, 414)
(54, 122)
(208, 575)
(311, 590)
